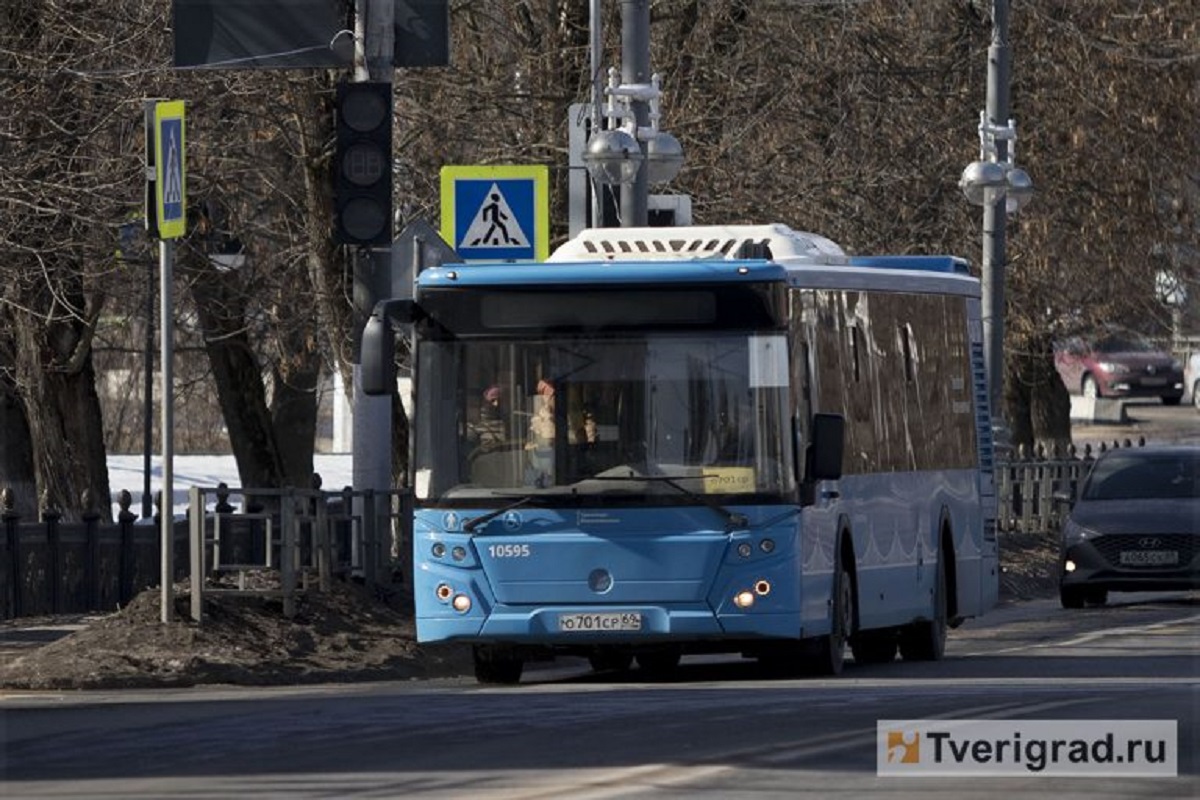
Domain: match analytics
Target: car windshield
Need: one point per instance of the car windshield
(1124, 343)
(1144, 476)
(617, 418)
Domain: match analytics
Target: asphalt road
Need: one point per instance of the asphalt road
(721, 730)
(1148, 419)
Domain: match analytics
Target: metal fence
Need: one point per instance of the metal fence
(1026, 485)
(50, 566)
(299, 539)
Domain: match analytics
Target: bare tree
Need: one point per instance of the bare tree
(853, 120)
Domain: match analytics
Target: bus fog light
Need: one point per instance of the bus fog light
(438, 550)
(443, 592)
(458, 553)
(767, 545)
(762, 588)
(462, 603)
(743, 599)
(744, 550)
(1069, 566)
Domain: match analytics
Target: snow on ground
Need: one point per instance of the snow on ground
(126, 472)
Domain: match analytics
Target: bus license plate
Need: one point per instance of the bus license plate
(609, 621)
(1149, 558)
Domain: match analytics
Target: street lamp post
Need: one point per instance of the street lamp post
(629, 150)
(996, 183)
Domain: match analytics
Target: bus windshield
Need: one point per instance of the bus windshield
(627, 420)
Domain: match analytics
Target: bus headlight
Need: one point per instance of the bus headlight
(443, 591)
(744, 599)
(461, 603)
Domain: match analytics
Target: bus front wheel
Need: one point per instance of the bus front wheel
(829, 654)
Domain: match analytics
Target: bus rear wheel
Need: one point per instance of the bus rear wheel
(497, 665)
(926, 640)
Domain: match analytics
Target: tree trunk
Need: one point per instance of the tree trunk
(239, 381)
(16, 454)
(1037, 405)
(64, 417)
(294, 411)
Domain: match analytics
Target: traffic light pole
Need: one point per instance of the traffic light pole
(371, 429)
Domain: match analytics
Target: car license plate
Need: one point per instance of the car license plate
(1149, 558)
(1154, 381)
(608, 621)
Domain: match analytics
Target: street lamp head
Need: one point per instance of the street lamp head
(613, 156)
(983, 182)
(1019, 191)
(664, 158)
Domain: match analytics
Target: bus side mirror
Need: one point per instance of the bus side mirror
(379, 345)
(827, 447)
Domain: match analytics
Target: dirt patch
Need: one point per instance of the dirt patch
(344, 635)
(1028, 566)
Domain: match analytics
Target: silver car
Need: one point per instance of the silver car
(1134, 527)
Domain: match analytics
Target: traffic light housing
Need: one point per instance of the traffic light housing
(362, 213)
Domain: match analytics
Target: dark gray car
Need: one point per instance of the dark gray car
(1134, 526)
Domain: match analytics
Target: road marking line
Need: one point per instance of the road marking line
(1089, 637)
(619, 782)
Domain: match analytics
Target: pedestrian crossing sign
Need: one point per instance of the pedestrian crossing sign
(497, 213)
(170, 192)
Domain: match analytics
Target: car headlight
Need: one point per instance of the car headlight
(1073, 533)
(1112, 367)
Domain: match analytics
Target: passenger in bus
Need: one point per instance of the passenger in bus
(541, 425)
(541, 436)
(491, 431)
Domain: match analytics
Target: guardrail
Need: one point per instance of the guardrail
(1025, 485)
(312, 537)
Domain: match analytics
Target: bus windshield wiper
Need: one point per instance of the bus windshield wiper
(470, 525)
(732, 518)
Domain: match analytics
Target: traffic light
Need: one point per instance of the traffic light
(362, 195)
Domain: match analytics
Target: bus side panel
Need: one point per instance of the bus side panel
(897, 542)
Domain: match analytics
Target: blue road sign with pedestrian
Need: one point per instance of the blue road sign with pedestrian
(496, 213)
(170, 182)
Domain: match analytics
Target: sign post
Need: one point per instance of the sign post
(166, 218)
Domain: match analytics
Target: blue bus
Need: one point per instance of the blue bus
(668, 441)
